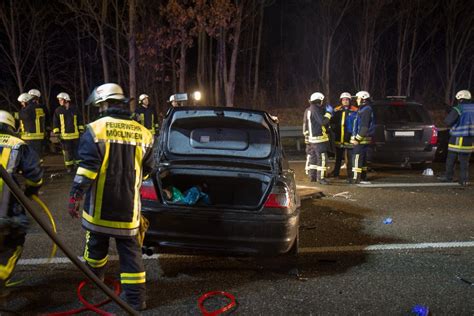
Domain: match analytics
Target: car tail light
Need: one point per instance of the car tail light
(434, 135)
(278, 199)
(147, 191)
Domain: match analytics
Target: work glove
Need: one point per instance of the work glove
(30, 190)
(329, 109)
(73, 206)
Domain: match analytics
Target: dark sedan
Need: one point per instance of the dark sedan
(232, 158)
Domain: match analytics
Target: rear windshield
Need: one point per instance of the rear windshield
(401, 113)
(229, 133)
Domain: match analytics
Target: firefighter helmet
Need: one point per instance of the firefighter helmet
(364, 95)
(7, 118)
(105, 92)
(463, 94)
(64, 95)
(142, 97)
(345, 95)
(24, 97)
(35, 93)
(316, 96)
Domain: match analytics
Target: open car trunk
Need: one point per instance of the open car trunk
(226, 188)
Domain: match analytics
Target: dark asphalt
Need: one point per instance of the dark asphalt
(320, 283)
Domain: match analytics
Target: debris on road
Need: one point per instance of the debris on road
(464, 280)
(388, 221)
(420, 310)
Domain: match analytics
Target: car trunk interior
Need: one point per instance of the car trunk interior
(226, 189)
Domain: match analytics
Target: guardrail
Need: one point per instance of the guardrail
(295, 132)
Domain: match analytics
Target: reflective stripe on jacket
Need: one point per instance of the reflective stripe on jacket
(115, 153)
(16, 155)
(32, 122)
(364, 125)
(67, 122)
(147, 117)
(464, 125)
(315, 124)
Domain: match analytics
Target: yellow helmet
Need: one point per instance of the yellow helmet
(7, 118)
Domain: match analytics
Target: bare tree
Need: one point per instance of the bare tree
(131, 53)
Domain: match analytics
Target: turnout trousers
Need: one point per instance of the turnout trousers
(346, 154)
(132, 271)
(70, 153)
(463, 158)
(359, 162)
(316, 160)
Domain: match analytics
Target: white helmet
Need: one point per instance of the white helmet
(142, 97)
(316, 96)
(35, 93)
(24, 97)
(463, 94)
(345, 95)
(7, 118)
(64, 95)
(107, 91)
(364, 95)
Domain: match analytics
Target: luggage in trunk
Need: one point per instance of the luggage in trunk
(225, 188)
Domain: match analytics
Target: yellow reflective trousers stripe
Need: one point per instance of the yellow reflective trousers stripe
(133, 278)
(4, 161)
(6, 271)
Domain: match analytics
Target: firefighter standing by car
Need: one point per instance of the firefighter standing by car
(146, 114)
(116, 153)
(362, 136)
(315, 128)
(341, 124)
(32, 126)
(15, 156)
(461, 141)
(67, 124)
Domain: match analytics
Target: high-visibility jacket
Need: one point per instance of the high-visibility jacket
(364, 125)
(461, 122)
(342, 123)
(147, 117)
(115, 153)
(67, 123)
(315, 122)
(32, 122)
(15, 156)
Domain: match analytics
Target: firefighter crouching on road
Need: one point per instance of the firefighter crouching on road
(15, 156)
(342, 123)
(146, 114)
(32, 126)
(115, 153)
(461, 142)
(362, 136)
(315, 124)
(67, 124)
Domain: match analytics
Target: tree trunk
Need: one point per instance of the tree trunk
(132, 54)
(230, 77)
(103, 51)
(117, 45)
(182, 68)
(257, 55)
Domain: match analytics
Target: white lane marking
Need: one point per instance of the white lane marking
(355, 248)
(362, 248)
(395, 185)
(306, 187)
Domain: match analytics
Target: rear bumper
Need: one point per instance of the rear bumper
(188, 231)
(384, 155)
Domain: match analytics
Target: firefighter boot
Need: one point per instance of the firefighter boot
(320, 178)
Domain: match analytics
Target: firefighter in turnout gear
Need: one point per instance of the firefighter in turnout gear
(146, 114)
(32, 122)
(315, 128)
(16, 157)
(341, 124)
(67, 124)
(115, 153)
(361, 136)
(461, 141)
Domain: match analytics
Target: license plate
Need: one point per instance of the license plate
(405, 133)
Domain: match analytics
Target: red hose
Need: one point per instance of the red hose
(88, 306)
(224, 309)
